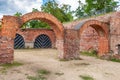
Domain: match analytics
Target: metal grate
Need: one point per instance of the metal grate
(42, 41)
(19, 42)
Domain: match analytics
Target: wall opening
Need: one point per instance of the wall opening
(42, 41)
(118, 48)
(89, 40)
(19, 42)
(101, 30)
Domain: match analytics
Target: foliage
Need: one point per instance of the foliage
(79, 12)
(98, 6)
(61, 12)
(86, 77)
(115, 60)
(95, 7)
(37, 24)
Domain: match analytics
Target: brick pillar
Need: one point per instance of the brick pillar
(103, 47)
(6, 50)
(71, 44)
(9, 26)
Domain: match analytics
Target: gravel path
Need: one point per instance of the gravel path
(36, 59)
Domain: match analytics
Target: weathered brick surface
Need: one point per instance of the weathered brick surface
(71, 44)
(101, 29)
(30, 35)
(89, 40)
(115, 32)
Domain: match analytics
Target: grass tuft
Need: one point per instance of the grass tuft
(86, 77)
(43, 72)
(115, 60)
(89, 53)
(9, 65)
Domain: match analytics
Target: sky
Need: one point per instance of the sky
(10, 7)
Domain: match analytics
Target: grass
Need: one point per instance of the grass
(40, 75)
(9, 65)
(115, 60)
(86, 77)
(43, 72)
(89, 53)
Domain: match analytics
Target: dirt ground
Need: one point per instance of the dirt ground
(47, 59)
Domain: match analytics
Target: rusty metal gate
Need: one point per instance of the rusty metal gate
(19, 42)
(42, 41)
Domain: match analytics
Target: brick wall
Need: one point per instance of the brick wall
(89, 40)
(71, 44)
(30, 35)
(115, 32)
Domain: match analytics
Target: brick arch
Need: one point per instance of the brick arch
(48, 18)
(11, 24)
(103, 31)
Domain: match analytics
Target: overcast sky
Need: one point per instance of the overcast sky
(10, 7)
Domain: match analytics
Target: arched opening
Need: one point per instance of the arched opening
(42, 41)
(102, 31)
(19, 42)
(89, 40)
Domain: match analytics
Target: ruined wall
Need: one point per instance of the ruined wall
(30, 35)
(115, 32)
(89, 40)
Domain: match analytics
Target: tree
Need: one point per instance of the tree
(93, 7)
(79, 12)
(36, 23)
(61, 12)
